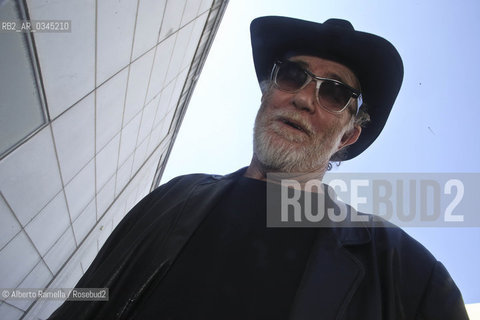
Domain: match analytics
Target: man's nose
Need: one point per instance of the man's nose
(305, 99)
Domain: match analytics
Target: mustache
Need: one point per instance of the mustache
(295, 119)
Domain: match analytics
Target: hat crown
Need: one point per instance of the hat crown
(339, 23)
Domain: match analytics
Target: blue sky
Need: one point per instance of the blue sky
(432, 127)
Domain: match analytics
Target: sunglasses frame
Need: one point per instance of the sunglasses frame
(355, 94)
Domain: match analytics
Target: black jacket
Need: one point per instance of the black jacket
(352, 273)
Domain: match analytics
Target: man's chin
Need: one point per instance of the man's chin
(286, 152)
(281, 157)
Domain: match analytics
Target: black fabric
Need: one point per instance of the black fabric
(233, 267)
(365, 272)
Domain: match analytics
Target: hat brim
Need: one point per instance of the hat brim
(375, 61)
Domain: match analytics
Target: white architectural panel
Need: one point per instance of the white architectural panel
(106, 161)
(9, 226)
(74, 134)
(38, 278)
(190, 11)
(138, 80)
(67, 60)
(61, 250)
(115, 27)
(115, 89)
(85, 221)
(55, 216)
(110, 100)
(14, 268)
(171, 18)
(31, 170)
(149, 20)
(81, 190)
(163, 55)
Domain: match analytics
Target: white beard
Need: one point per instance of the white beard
(279, 150)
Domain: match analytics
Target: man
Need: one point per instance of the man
(198, 247)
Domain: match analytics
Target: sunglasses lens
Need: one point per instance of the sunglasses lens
(333, 95)
(290, 76)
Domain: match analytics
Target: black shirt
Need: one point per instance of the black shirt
(233, 267)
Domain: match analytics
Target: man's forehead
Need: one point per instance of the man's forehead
(327, 69)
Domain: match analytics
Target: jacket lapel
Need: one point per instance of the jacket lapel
(331, 278)
(332, 274)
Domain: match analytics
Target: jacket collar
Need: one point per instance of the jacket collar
(331, 278)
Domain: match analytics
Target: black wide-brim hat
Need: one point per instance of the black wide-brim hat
(375, 61)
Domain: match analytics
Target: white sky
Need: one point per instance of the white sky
(432, 127)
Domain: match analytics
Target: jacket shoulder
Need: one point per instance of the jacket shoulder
(391, 237)
(427, 288)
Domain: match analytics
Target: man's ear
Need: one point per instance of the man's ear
(265, 87)
(350, 137)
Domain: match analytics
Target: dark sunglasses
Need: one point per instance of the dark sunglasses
(332, 95)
